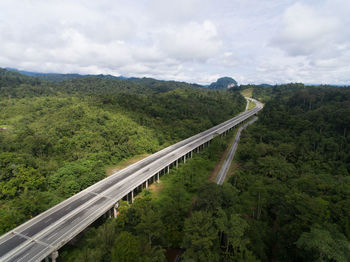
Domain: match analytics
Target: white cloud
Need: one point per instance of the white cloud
(317, 35)
(192, 41)
(306, 30)
(187, 40)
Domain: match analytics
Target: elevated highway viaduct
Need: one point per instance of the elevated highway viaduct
(41, 237)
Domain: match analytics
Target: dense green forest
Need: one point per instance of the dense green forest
(165, 219)
(58, 138)
(288, 200)
(293, 184)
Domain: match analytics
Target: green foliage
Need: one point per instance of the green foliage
(289, 201)
(324, 245)
(293, 180)
(200, 239)
(159, 220)
(126, 248)
(60, 137)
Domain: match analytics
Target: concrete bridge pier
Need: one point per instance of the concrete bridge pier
(115, 210)
(129, 197)
(52, 257)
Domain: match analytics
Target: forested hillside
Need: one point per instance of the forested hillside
(57, 138)
(293, 186)
(288, 199)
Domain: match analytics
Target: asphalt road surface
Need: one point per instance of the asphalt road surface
(226, 166)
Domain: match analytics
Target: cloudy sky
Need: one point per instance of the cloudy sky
(253, 41)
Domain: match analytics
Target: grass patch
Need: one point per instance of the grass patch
(251, 105)
(247, 92)
(124, 163)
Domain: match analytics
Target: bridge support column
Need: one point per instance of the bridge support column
(147, 183)
(177, 163)
(53, 256)
(115, 209)
(191, 154)
(168, 169)
(184, 158)
(132, 196)
(158, 177)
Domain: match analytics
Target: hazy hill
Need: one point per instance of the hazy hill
(56, 77)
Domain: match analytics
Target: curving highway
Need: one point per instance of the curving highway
(43, 235)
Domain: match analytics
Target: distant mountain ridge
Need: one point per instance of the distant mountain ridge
(57, 77)
(224, 83)
(13, 83)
